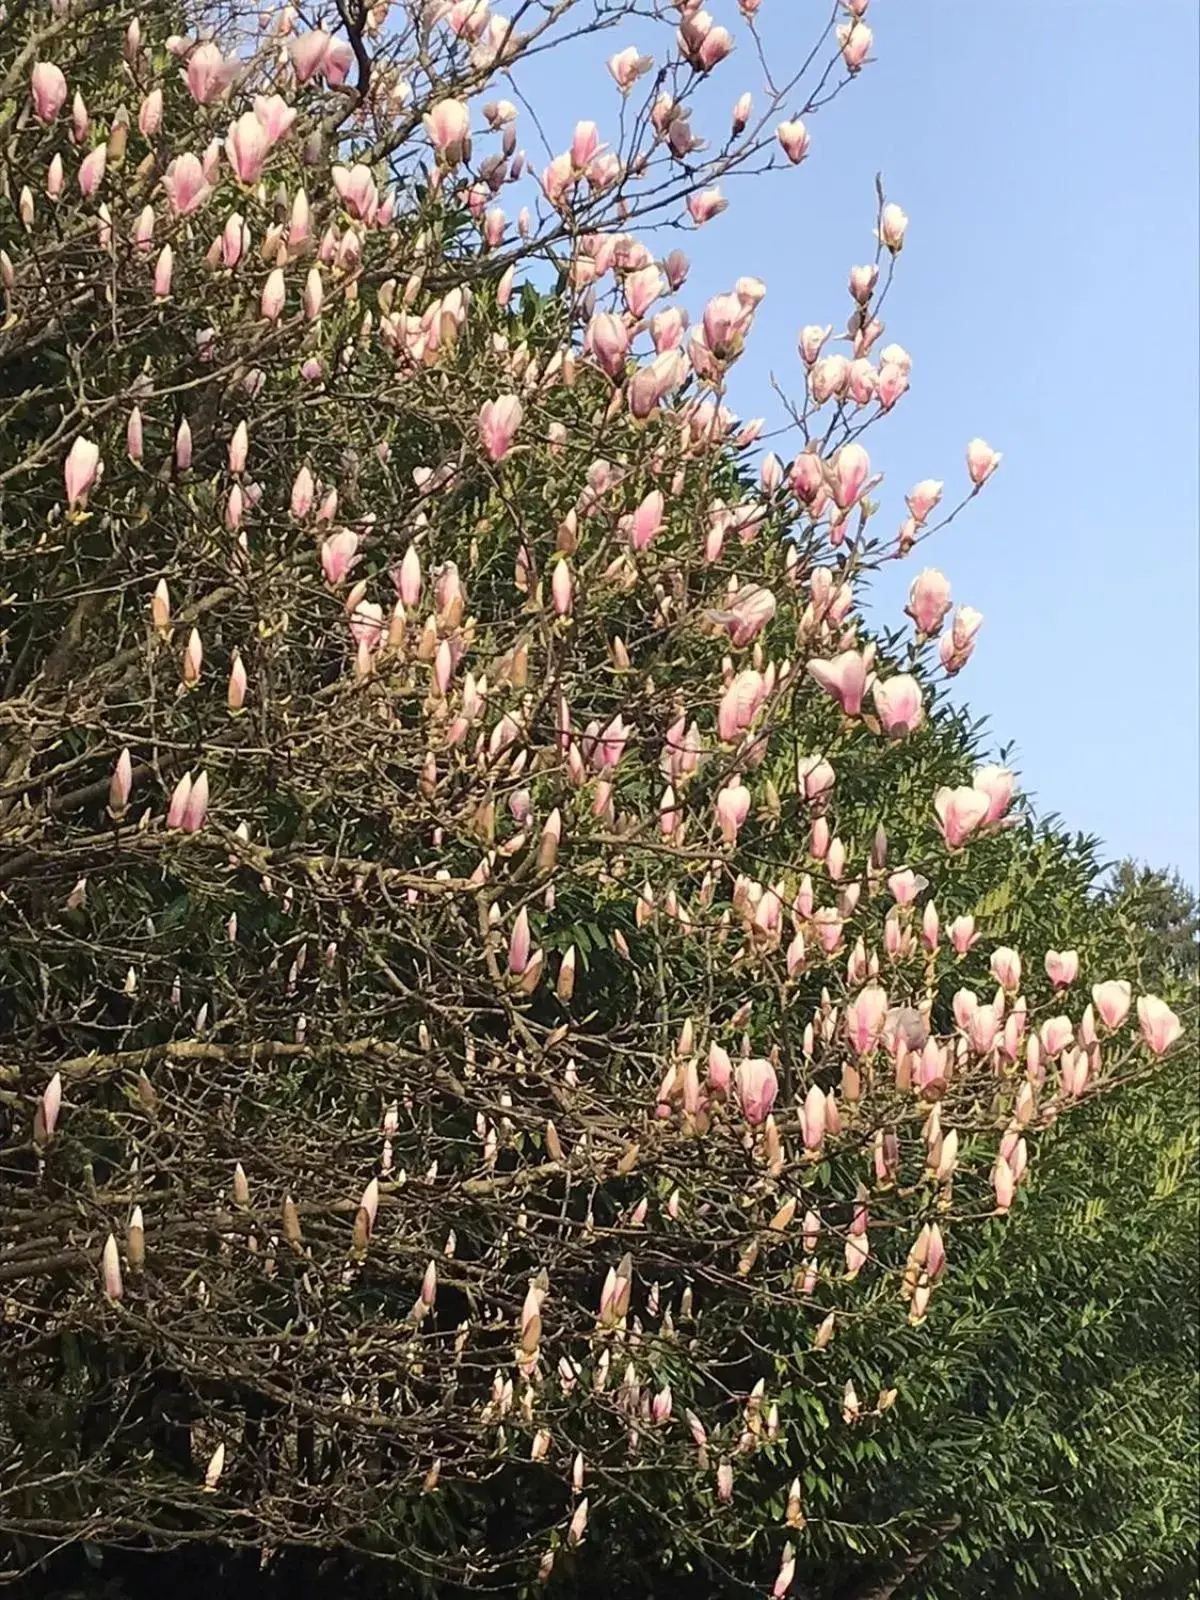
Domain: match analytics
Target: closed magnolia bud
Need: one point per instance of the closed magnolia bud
(160, 606)
(193, 658)
(117, 138)
(110, 1270)
(133, 436)
(120, 785)
(136, 1240)
(578, 1524)
(429, 1285)
(236, 696)
(565, 987)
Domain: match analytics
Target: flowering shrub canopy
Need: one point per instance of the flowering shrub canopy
(503, 977)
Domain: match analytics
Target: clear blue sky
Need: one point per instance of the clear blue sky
(1046, 152)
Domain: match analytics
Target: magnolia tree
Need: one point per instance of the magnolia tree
(500, 1022)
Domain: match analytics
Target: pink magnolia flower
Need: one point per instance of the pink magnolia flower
(923, 497)
(448, 126)
(177, 808)
(865, 1017)
(585, 145)
(740, 703)
(274, 296)
(1003, 1184)
(607, 341)
(49, 90)
(794, 141)
(748, 613)
(164, 269)
(999, 785)
(701, 44)
(610, 745)
(962, 934)
(891, 384)
(51, 1105)
(186, 185)
(91, 170)
(562, 589)
(642, 288)
(851, 469)
(366, 622)
(855, 39)
(830, 377)
(720, 1069)
(142, 234)
(1112, 1001)
(929, 601)
(863, 383)
(627, 66)
(339, 58)
(982, 461)
(1062, 967)
(239, 448)
(408, 578)
(196, 808)
(757, 1086)
(905, 885)
(1056, 1034)
(862, 283)
(726, 320)
(339, 554)
(247, 146)
(1159, 1024)
(733, 807)
(357, 190)
(811, 340)
(235, 694)
(899, 704)
(705, 204)
(498, 423)
(1006, 968)
(299, 219)
(275, 115)
(519, 944)
(120, 784)
(313, 297)
(893, 225)
(666, 328)
(844, 678)
(208, 74)
(309, 52)
(645, 523)
(960, 812)
(82, 471)
(957, 645)
(817, 777)
(814, 1119)
(150, 114)
(304, 491)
